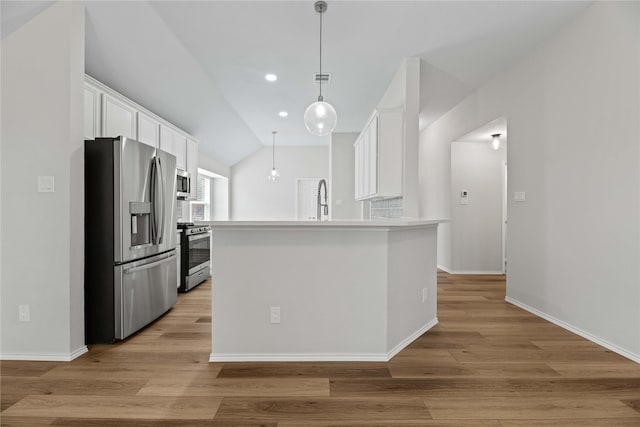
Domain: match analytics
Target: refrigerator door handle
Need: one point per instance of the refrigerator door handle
(150, 265)
(154, 210)
(162, 204)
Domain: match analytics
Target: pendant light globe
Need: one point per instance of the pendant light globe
(273, 173)
(320, 118)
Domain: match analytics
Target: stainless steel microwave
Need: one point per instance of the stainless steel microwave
(183, 184)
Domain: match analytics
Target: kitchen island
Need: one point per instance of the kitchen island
(321, 291)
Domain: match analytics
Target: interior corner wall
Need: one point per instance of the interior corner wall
(343, 204)
(213, 165)
(42, 262)
(572, 108)
(253, 197)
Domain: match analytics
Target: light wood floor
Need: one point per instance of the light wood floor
(487, 363)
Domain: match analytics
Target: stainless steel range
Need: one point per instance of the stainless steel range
(195, 257)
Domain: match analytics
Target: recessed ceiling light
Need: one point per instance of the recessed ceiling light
(271, 77)
(283, 114)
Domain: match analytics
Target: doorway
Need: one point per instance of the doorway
(479, 201)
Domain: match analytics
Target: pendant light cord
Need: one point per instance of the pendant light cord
(273, 151)
(320, 97)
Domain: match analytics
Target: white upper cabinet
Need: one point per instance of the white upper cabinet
(192, 165)
(148, 130)
(175, 143)
(91, 112)
(118, 118)
(378, 156)
(108, 113)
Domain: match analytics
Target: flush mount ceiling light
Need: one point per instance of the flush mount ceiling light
(495, 141)
(273, 174)
(271, 77)
(283, 114)
(320, 117)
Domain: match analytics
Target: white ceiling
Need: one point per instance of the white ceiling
(201, 64)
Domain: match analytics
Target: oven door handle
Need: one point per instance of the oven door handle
(199, 236)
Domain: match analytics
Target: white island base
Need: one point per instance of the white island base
(346, 291)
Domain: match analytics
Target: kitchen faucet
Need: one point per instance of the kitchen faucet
(321, 184)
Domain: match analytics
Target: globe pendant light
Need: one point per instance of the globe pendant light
(320, 117)
(273, 174)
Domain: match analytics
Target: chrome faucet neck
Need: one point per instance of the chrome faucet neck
(319, 204)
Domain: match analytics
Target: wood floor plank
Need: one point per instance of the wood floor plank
(305, 370)
(6, 421)
(527, 408)
(132, 407)
(14, 368)
(247, 387)
(619, 369)
(115, 422)
(575, 422)
(323, 409)
(472, 370)
(71, 386)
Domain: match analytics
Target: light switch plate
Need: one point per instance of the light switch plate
(46, 184)
(519, 196)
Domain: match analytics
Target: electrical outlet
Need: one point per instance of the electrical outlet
(46, 184)
(24, 313)
(275, 314)
(425, 294)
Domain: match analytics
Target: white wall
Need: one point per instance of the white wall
(254, 197)
(43, 233)
(212, 165)
(476, 227)
(343, 204)
(572, 107)
(220, 199)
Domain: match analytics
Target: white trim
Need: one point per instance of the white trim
(60, 357)
(476, 272)
(575, 330)
(411, 338)
(299, 357)
(446, 270)
(322, 357)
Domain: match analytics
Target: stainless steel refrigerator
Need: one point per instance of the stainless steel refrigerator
(130, 239)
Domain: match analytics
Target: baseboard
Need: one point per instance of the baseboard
(604, 343)
(446, 270)
(284, 357)
(43, 357)
(476, 272)
(322, 357)
(398, 348)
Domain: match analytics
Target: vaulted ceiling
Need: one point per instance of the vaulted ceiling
(201, 64)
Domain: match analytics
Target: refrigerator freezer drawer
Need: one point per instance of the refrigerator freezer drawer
(144, 290)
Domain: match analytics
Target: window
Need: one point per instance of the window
(201, 207)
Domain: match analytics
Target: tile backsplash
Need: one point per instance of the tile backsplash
(387, 208)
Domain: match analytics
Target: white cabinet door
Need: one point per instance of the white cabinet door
(118, 118)
(175, 143)
(366, 164)
(192, 165)
(180, 150)
(91, 112)
(372, 142)
(148, 130)
(358, 173)
(378, 151)
(166, 139)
